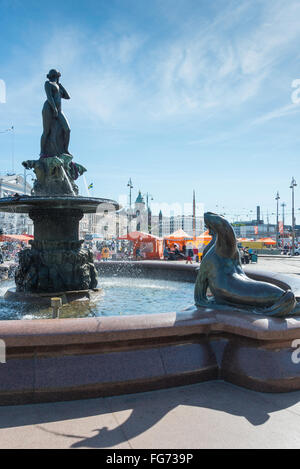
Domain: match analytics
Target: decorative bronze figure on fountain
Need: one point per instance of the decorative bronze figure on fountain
(55, 170)
(56, 136)
(56, 261)
(221, 272)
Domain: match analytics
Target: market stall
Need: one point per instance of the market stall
(145, 245)
(179, 238)
(14, 238)
(267, 241)
(201, 241)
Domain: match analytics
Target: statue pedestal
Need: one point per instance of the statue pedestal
(56, 260)
(56, 266)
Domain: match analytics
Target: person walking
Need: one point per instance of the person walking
(138, 254)
(98, 256)
(195, 251)
(190, 253)
(166, 253)
(105, 253)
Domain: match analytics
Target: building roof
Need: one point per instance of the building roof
(140, 199)
(179, 234)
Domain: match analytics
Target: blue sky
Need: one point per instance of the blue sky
(176, 94)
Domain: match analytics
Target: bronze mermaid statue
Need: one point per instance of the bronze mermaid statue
(56, 130)
(55, 171)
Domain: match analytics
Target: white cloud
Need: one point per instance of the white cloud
(277, 113)
(126, 79)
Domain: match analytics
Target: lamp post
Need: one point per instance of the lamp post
(292, 186)
(283, 205)
(26, 174)
(130, 185)
(148, 197)
(149, 214)
(277, 198)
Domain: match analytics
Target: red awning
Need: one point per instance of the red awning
(139, 236)
(15, 238)
(267, 241)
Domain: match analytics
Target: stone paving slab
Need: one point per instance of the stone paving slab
(207, 415)
(284, 265)
(59, 425)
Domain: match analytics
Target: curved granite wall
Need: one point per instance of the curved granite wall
(64, 359)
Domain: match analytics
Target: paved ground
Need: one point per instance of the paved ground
(280, 264)
(283, 265)
(207, 415)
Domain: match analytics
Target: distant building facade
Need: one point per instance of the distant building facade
(166, 225)
(253, 230)
(139, 218)
(12, 223)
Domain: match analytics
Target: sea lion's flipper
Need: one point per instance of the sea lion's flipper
(210, 244)
(283, 307)
(201, 287)
(296, 310)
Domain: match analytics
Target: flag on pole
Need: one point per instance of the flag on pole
(281, 227)
(91, 186)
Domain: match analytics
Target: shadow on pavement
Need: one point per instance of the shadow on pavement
(148, 409)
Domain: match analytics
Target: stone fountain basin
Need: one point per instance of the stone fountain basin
(24, 204)
(63, 359)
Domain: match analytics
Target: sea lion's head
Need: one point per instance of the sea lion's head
(213, 221)
(226, 245)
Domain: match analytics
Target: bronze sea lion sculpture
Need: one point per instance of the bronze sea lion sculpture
(221, 271)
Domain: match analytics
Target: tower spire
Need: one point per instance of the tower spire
(194, 214)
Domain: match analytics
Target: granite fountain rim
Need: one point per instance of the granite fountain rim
(25, 203)
(66, 359)
(191, 320)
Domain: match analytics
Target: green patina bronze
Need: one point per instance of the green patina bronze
(222, 274)
(55, 175)
(56, 260)
(55, 171)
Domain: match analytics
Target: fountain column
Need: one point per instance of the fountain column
(56, 261)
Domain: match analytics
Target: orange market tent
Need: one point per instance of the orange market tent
(150, 246)
(15, 238)
(244, 240)
(179, 237)
(205, 237)
(202, 240)
(269, 241)
(136, 235)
